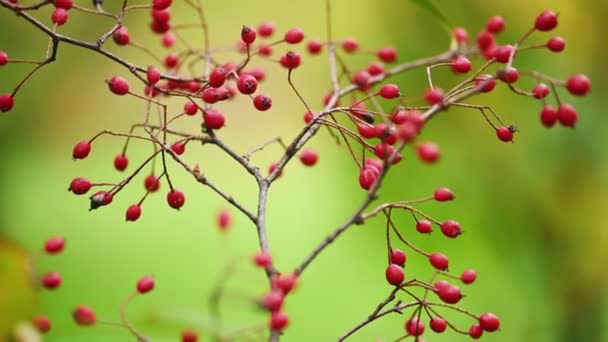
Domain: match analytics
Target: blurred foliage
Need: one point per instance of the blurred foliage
(534, 211)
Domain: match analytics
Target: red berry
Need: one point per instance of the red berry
(121, 162)
(408, 131)
(189, 336)
(152, 183)
(161, 4)
(489, 322)
(101, 198)
(567, 115)
(451, 229)
(449, 294)
(119, 85)
(441, 285)
(273, 167)
(414, 327)
(460, 35)
(247, 84)
(504, 133)
(475, 331)
(217, 77)
(548, 116)
(546, 21)
(387, 54)
(362, 80)
(540, 91)
(291, 60)
(503, 53)
(398, 257)
(285, 282)
(366, 178)
(51, 280)
(176, 199)
(7, 102)
(424, 226)
(314, 46)
(145, 284)
(248, 35)
(308, 117)
(487, 81)
(214, 119)
(80, 186)
(495, 24)
(468, 276)
(578, 85)
(394, 274)
(3, 58)
(65, 4)
(309, 157)
(434, 96)
(54, 245)
(121, 36)
(179, 147)
(161, 15)
(428, 152)
(389, 91)
(81, 150)
(461, 65)
(190, 108)
(556, 44)
(438, 324)
(375, 68)
(171, 60)
(59, 16)
(443, 195)
(350, 45)
(42, 323)
(262, 102)
(83, 315)
(485, 40)
(153, 75)
(133, 212)
(294, 36)
(439, 261)
(266, 29)
(262, 259)
(510, 75)
(160, 27)
(273, 300)
(278, 320)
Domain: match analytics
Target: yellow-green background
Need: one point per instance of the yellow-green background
(533, 211)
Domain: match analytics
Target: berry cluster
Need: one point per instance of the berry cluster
(375, 134)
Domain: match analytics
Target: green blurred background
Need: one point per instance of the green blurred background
(533, 211)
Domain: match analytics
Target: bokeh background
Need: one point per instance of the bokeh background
(534, 211)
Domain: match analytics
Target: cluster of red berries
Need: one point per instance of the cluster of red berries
(51, 280)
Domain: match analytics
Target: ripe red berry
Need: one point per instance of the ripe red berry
(548, 116)
(398, 257)
(42, 323)
(314, 46)
(84, 315)
(350, 45)
(81, 150)
(189, 336)
(438, 324)
(217, 77)
(262, 259)
(567, 115)
(485, 40)
(387, 54)
(214, 119)
(101, 198)
(308, 117)
(51, 280)
(3, 58)
(145, 284)
(176, 199)
(161, 4)
(278, 320)
(119, 85)
(439, 261)
(160, 27)
(414, 327)
(389, 91)
(504, 133)
(247, 84)
(171, 60)
(153, 75)
(133, 212)
(440, 285)
(7, 102)
(80, 186)
(394, 274)
(449, 294)
(59, 16)
(540, 91)
(248, 35)
(451, 229)
(266, 29)
(434, 96)
(273, 167)
(509, 75)
(375, 68)
(556, 44)
(486, 82)
(190, 108)
(152, 183)
(362, 80)
(54, 245)
(294, 36)
(468, 276)
(546, 21)
(262, 102)
(443, 195)
(121, 162)
(503, 53)
(489, 322)
(366, 131)
(578, 85)
(309, 157)
(121, 36)
(273, 300)
(495, 24)
(475, 331)
(428, 152)
(461, 65)
(291, 60)
(285, 282)
(179, 147)
(65, 4)
(424, 226)
(460, 35)
(161, 15)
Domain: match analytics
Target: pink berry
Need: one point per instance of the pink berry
(546, 21)
(449, 294)
(314, 46)
(119, 85)
(54, 245)
(101, 198)
(485, 40)
(262, 102)
(51, 280)
(266, 29)
(461, 65)
(214, 119)
(161, 15)
(133, 212)
(475, 331)
(59, 16)
(308, 117)
(161, 4)
(285, 282)
(121, 36)
(375, 68)
(398, 257)
(504, 133)
(387, 54)
(145, 284)
(278, 320)
(217, 77)
(247, 84)
(438, 325)
(443, 195)
(84, 315)
(190, 108)
(451, 229)
(434, 96)
(394, 274)
(468, 276)
(3, 58)
(65, 4)
(309, 157)
(439, 261)
(7, 102)
(153, 75)
(567, 115)
(176, 199)
(42, 323)
(262, 259)
(224, 219)
(486, 82)
(414, 327)
(121, 162)
(80, 186)
(556, 44)
(489, 322)
(152, 183)
(294, 36)
(273, 301)
(548, 116)
(540, 91)
(460, 35)
(578, 85)
(350, 45)
(81, 150)
(389, 91)
(291, 60)
(171, 60)
(495, 24)
(509, 75)
(428, 152)
(362, 80)
(248, 35)
(424, 227)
